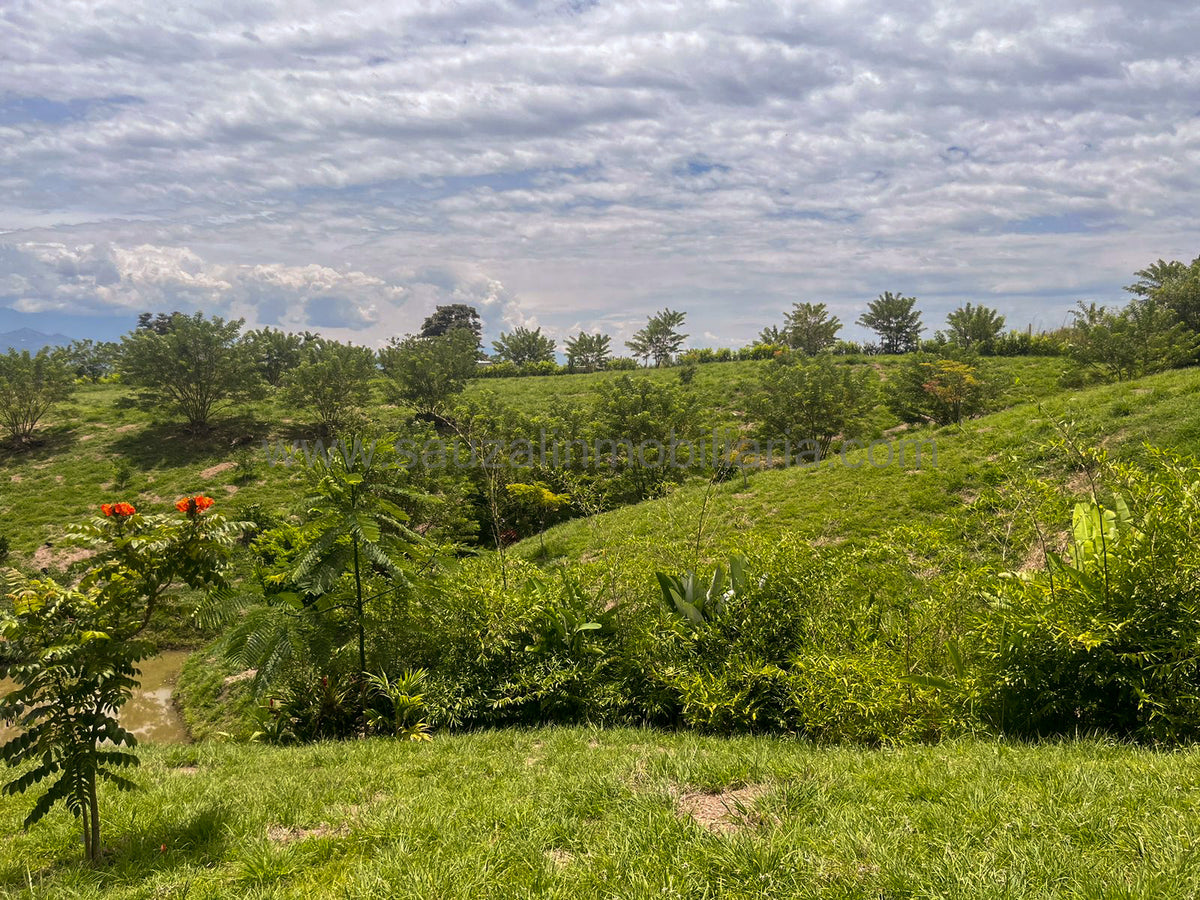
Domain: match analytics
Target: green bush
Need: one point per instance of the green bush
(1106, 637)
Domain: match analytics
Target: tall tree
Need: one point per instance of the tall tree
(896, 320)
(1174, 285)
(588, 352)
(975, 327)
(660, 340)
(196, 366)
(451, 317)
(521, 346)
(275, 352)
(810, 328)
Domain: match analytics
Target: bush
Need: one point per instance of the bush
(1106, 638)
(622, 364)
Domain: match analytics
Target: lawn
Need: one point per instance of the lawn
(580, 813)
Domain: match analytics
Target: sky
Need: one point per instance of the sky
(576, 165)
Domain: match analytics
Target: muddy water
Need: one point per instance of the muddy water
(150, 713)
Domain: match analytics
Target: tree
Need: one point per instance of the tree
(159, 324)
(896, 321)
(197, 366)
(1143, 338)
(334, 382)
(812, 400)
(428, 372)
(523, 346)
(937, 389)
(975, 327)
(73, 651)
(275, 352)
(451, 317)
(659, 340)
(809, 328)
(90, 360)
(588, 352)
(29, 386)
(1174, 285)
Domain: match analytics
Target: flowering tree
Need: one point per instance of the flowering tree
(73, 651)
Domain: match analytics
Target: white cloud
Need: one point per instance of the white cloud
(308, 164)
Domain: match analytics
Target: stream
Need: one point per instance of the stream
(150, 713)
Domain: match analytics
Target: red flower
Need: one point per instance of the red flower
(194, 505)
(120, 510)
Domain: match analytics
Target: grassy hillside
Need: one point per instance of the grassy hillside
(634, 814)
(854, 500)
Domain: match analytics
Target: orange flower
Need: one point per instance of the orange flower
(121, 510)
(194, 505)
(106, 508)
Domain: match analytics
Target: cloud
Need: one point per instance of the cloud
(586, 164)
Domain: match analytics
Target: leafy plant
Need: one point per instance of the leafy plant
(30, 384)
(697, 602)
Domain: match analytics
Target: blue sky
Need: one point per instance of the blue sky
(580, 165)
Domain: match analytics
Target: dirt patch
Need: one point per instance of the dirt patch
(721, 812)
(16, 479)
(48, 557)
(1079, 483)
(125, 429)
(214, 471)
(231, 489)
(281, 834)
(186, 770)
(240, 676)
(560, 858)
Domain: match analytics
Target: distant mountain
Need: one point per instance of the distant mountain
(28, 339)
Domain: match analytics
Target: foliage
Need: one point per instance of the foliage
(523, 345)
(73, 650)
(1143, 338)
(660, 340)
(808, 328)
(453, 317)
(275, 353)
(896, 320)
(429, 372)
(30, 384)
(975, 327)
(1106, 637)
(936, 389)
(91, 360)
(334, 382)
(588, 352)
(1174, 285)
(196, 366)
(812, 400)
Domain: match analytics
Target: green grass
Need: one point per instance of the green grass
(834, 502)
(575, 813)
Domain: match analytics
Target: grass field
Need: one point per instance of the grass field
(577, 813)
(855, 501)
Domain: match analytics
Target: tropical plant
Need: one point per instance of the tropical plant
(453, 317)
(588, 352)
(812, 400)
(896, 320)
(975, 327)
(1143, 338)
(523, 346)
(427, 373)
(73, 651)
(937, 389)
(275, 353)
(334, 382)
(660, 340)
(809, 328)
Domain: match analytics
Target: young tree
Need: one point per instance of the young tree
(29, 386)
(1143, 338)
(940, 390)
(427, 373)
(73, 651)
(588, 352)
(523, 346)
(159, 324)
(813, 400)
(810, 328)
(894, 318)
(91, 360)
(452, 317)
(197, 366)
(660, 340)
(334, 382)
(975, 327)
(275, 352)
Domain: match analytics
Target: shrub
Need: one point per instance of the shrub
(1106, 638)
(30, 384)
(622, 364)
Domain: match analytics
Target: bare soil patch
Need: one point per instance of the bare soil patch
(214, 471)
(282, 834)
(48, 557)
(721, 812)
